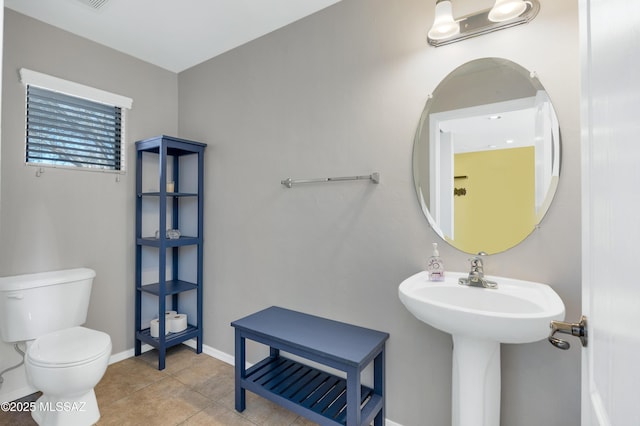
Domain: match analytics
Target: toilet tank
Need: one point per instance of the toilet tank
(35, 304)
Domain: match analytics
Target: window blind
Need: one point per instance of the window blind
(70, 131)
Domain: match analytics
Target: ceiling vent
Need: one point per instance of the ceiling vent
(95, 4)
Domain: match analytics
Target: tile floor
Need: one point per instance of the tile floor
(192, 390)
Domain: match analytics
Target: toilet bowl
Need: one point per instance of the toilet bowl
(66, 365)
(63, 360)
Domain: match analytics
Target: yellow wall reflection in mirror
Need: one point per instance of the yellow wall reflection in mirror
(495, 204)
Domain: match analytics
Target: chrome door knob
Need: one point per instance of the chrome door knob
(575, 329)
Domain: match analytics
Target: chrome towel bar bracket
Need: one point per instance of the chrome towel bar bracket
(373, 177)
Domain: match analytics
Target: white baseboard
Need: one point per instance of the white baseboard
(130, 353)
(212, 352)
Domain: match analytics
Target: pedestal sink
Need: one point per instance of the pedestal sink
(479, 319)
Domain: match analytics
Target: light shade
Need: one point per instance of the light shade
(503, 10)
(444, 26)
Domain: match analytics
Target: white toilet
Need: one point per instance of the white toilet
(63, 360)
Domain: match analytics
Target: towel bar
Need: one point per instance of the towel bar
(374, 177)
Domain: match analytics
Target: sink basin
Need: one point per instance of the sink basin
(515, 312)
(479, 319)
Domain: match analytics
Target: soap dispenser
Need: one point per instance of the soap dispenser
(435, 266)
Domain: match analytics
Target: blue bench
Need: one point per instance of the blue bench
(315, 394)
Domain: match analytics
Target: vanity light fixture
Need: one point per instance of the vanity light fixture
(504, 10)
(504, 14)
(444, 26)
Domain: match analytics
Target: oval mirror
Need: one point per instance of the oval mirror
(486, 156)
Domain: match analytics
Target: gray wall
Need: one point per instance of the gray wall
(340, 93)
(64, 218)
(337, 93)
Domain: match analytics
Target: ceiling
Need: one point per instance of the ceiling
(486, 132)
(172, 34)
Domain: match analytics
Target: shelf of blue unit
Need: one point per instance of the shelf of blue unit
(168, 194)
(155, 242)
(171, 287)
(170, 339)
(290, 382)
(174, 146)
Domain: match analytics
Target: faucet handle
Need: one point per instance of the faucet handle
(476, 262)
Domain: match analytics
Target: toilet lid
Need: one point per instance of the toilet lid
(67, 347)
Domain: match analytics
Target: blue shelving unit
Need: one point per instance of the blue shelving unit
(169, 152)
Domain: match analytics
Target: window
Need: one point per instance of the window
(69, 131)
(72, 125)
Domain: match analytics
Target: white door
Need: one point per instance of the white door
(610, 51)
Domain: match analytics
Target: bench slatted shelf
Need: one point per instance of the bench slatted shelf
(316, 394)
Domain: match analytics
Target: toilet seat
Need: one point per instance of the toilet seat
(69, 347)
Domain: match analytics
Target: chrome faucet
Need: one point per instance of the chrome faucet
(476, 275)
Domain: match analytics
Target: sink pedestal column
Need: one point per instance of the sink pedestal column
(476, 382)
